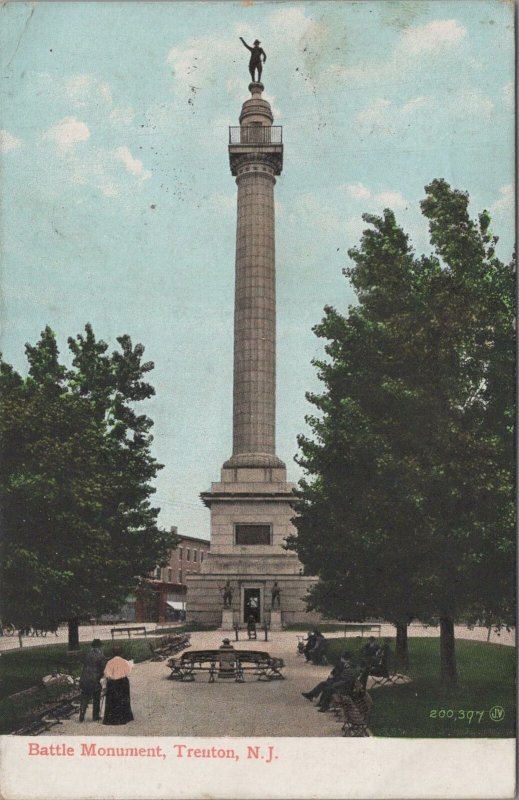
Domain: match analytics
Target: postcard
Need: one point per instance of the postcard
(257, 397)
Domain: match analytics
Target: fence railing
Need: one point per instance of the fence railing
(256, 134)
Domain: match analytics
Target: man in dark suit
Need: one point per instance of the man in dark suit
(89, 684)
(341, 680)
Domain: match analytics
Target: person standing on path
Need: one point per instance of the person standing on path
(118, 710)
(89, 681)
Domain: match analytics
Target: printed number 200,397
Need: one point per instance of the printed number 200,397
(469, 715)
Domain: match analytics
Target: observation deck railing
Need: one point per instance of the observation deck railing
(256, 134)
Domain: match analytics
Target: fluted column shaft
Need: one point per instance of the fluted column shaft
(254, 397)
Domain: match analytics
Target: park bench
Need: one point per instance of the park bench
(356, 710)
(129, 631)
(227, 663)
(168, 645)
(53, 708)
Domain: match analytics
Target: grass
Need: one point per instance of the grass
(423, 708)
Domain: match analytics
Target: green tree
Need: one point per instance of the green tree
(78, 525)
(406, 508)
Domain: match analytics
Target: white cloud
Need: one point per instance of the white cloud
(434, 36)
(393, 200)
(416, 102)
(122, 116)
(68, 132)
(8, 142)
(84, 89)
(358, 190)
(506, 202)
(508, 92)
(386, 199)
(437, 38)
(471, 101)
(133, 165)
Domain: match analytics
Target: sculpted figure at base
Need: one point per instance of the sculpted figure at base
(256, 53)
(227, 595)
(276, 595)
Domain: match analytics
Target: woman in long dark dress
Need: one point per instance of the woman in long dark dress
(118, 710)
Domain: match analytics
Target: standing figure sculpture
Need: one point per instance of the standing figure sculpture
(227, 595)
(256, 53)
(276, 595)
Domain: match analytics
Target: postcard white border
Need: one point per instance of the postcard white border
(295, 769)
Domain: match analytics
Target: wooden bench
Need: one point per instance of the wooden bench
(168, 645)
(129, 631)
(226, 663)
(51, 711)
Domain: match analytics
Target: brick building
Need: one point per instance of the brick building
(164, 595)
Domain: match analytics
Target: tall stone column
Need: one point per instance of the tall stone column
(256, 157)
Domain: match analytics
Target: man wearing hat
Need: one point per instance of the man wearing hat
(256, 53)
(341, 679)
(89, 682)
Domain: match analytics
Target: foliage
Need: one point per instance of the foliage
(407, 504)
(75, 489)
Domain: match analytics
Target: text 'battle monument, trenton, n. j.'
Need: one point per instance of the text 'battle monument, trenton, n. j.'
(248, 573)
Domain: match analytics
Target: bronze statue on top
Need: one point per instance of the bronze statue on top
(256, 53)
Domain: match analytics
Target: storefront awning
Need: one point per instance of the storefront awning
(176, 605)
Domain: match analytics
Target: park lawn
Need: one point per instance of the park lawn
(24, 668)
(423, 708)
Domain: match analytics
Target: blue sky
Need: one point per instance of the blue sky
(118, 207)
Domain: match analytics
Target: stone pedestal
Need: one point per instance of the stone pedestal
(227, 619)
(275, 620)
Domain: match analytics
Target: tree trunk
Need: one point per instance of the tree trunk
(401, 650)
(449, 674)
(73, 634)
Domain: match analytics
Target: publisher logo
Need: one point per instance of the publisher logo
(497, 713)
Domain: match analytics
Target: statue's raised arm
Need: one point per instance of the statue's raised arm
(245, 43)
(256, 54)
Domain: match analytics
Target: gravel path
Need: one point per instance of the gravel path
(255, 708)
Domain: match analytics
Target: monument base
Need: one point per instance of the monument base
(227, 619)
(275, 620)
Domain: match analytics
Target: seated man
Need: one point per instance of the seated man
(227, 659)
(341, 679)
(369, 652)
(317, 654)
(381, 662)
(309, 646)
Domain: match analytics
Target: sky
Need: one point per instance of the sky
(118, 207)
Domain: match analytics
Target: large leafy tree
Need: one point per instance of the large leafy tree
(406, 509)
(78, 525)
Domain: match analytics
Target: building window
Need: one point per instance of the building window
(188, 554)
(201, 556)
(170, 575)
(252, 534)
(180, 576)
(157, 573)
(180, 554)
(195, 555)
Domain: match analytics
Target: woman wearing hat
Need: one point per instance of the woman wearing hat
(118, 710)
(89, 681)
(256, 53)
